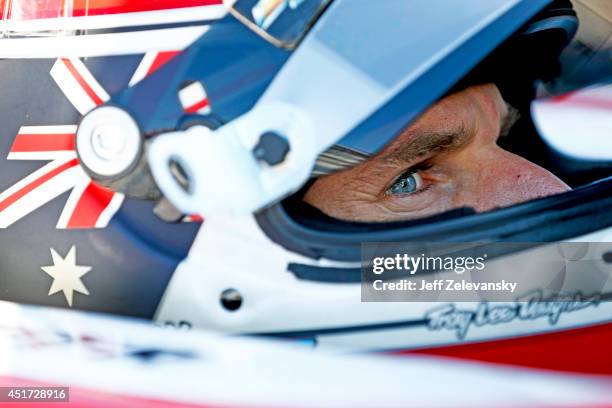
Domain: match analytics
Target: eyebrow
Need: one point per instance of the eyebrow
(424, 144)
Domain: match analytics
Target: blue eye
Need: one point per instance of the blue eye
(407, 183)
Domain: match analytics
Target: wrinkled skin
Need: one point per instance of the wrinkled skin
(453, 153)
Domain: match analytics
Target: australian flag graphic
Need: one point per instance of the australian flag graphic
(64, 240)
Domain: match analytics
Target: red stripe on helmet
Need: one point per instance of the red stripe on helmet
(43, 142)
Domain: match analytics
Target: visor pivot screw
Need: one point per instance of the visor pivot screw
(108, 143)
(272, 148)
(231, 299)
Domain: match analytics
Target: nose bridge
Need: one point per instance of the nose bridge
(507, 179)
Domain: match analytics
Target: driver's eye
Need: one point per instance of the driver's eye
(407, 183)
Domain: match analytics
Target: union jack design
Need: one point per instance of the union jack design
(88, 205)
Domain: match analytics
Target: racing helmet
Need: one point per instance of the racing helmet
(225, 111)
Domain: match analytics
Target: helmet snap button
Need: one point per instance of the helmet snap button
(231, 299)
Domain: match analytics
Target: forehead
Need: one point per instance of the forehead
(449, 123)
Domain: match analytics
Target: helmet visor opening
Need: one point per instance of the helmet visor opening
(478, 146)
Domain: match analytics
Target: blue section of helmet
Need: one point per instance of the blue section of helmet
(117, 78)
(232, 62)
